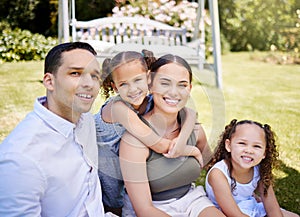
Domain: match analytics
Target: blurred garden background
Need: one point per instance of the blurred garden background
(260, 42)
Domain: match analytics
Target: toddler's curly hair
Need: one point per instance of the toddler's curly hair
(266, 165)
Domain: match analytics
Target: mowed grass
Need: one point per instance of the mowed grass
(252, 89)
(20, 84)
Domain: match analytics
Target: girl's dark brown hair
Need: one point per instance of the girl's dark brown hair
(146, 58)
(265, 166)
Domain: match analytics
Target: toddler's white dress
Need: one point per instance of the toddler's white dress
(243, 193)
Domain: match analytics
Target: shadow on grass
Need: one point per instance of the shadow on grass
(30, 81)
(34, 81)
(287, 188)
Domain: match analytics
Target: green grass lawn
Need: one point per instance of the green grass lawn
(252, 89)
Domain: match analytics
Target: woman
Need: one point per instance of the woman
(156, 185)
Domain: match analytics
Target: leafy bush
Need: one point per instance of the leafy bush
(19, 45)
(261, 24)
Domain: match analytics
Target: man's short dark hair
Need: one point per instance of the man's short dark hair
(53, 58)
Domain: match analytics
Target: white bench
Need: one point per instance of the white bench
(111, 35)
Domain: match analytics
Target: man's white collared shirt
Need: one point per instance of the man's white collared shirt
(48, 167)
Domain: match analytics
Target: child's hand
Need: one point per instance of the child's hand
(163, 146)
(174, 150)
(177, 151)
(257, 198)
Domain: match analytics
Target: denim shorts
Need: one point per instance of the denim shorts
(110, 176)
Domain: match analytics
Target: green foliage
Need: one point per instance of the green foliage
(260, 24)
(18, 45)
(39, 16)
(17, 12)
(92, 9)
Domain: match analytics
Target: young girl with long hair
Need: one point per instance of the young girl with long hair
(241, 169)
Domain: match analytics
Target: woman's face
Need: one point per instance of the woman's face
(171, 88)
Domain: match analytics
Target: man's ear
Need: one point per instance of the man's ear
(48, 81)
(227, 145)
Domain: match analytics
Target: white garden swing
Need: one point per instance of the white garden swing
(66, 19)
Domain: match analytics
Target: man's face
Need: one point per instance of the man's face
(75, 86)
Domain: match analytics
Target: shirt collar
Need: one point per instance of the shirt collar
(58, 123)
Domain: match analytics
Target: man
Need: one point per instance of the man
(48, 164)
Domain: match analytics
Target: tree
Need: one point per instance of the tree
(87, 10)
(33, 15)
(18, 12)
(258, 24)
